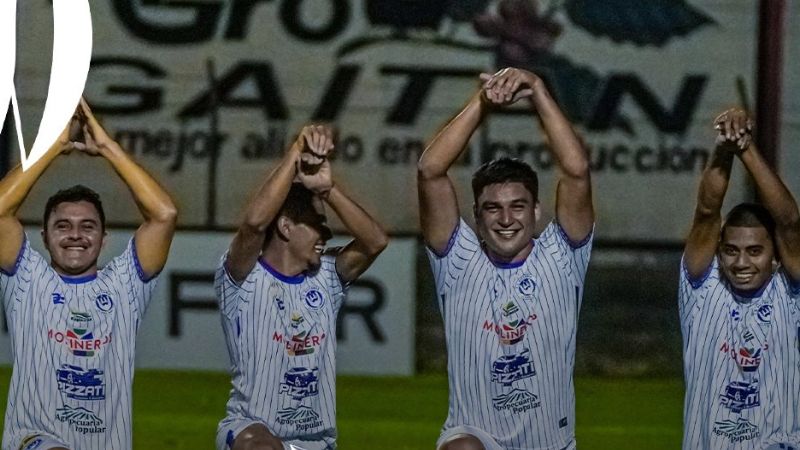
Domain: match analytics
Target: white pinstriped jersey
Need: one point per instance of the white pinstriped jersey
(733, 361)
(72, 342)
(787, 346)
(281, 336)
(510, 332)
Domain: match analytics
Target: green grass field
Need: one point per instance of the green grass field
(180, 410)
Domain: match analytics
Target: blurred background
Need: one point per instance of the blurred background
(206, 94)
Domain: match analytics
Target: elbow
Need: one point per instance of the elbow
(167, 213)
(578, 170)
(426, 170)
(379, 243)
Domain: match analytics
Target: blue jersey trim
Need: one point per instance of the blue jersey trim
(296, 279)
(19, 258)
(574, 245)
(449, 242)
(696, 282)
(78, 280)
(508, 265)
(138, 265)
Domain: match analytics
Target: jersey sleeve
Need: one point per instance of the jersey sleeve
(29, 266)
(128, 271)
(447, 266)
(691, 290)
(229, 292)
(574, 256)
(333, 282)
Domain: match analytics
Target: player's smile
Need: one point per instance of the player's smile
(74, 238)
(746, 256)
(505, 217)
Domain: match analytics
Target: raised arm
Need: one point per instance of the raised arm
(574, 209)
(154, 236)
(14, 188)
(781, 205)
(265, 205)
(703, 240)
(437, 197)
(369, 239)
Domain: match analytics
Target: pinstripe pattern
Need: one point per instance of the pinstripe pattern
(510, 334)
(73, 342)
(734, 365)
(788, 346)
(281, 337)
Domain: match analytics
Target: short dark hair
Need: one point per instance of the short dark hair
(299, 207)
(505, 170)
(750, 215)
(74, 194)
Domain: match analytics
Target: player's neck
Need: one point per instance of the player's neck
(509, 262)
(280, 258)
(85, 275)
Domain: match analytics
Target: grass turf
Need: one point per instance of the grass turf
(180, 410)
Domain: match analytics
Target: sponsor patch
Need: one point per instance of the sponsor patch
(300, 383)
(81, 419)
(79, 338)
(104, 302)
(79, 384)
(738, 431)
(740, 395)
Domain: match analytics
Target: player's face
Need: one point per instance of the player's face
(746, 255)
(506, 216)
(309, 237)
(74, 238)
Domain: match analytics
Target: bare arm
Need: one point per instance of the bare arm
(781, 205)
(264, 207)
(154, 236)
(574, 209)
(437, 197)
(14, 188)
(703, 240)
(369, 239)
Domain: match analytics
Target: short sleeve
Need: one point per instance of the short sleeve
(229, 292)
(461, 248)
(128, 272)
(332, 281)
(30, 265)
(692, 290)
(573, 255)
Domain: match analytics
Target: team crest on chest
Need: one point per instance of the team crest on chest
(525, 285)
(104, 302)
(764, 313)
(314, 298)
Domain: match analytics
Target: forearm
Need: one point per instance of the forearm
(451, 141)
(566, 147)
(772, 192)
(16, 185)
(153, 201)
(364, 229)
(714, 183)
(263, 208)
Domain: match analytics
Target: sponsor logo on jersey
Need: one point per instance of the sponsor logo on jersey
(739, 395)
(104, 302)
(748, 358)
(302, 341)
(79, 338)
(739, 431)
(31, 443)
(83, 420)
(526, 285)
(300, 383)
(302, 418)
(516, 401)
(314, 298)
(58, 298)
(510, 368)
(79, 384)
(512, 326)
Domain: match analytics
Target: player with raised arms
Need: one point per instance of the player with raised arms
(740, 280)
(73, 326)
(509, 300)
(280, 292)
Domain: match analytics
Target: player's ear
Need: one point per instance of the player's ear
(475, 211)
(284, 227)
(103, 241)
